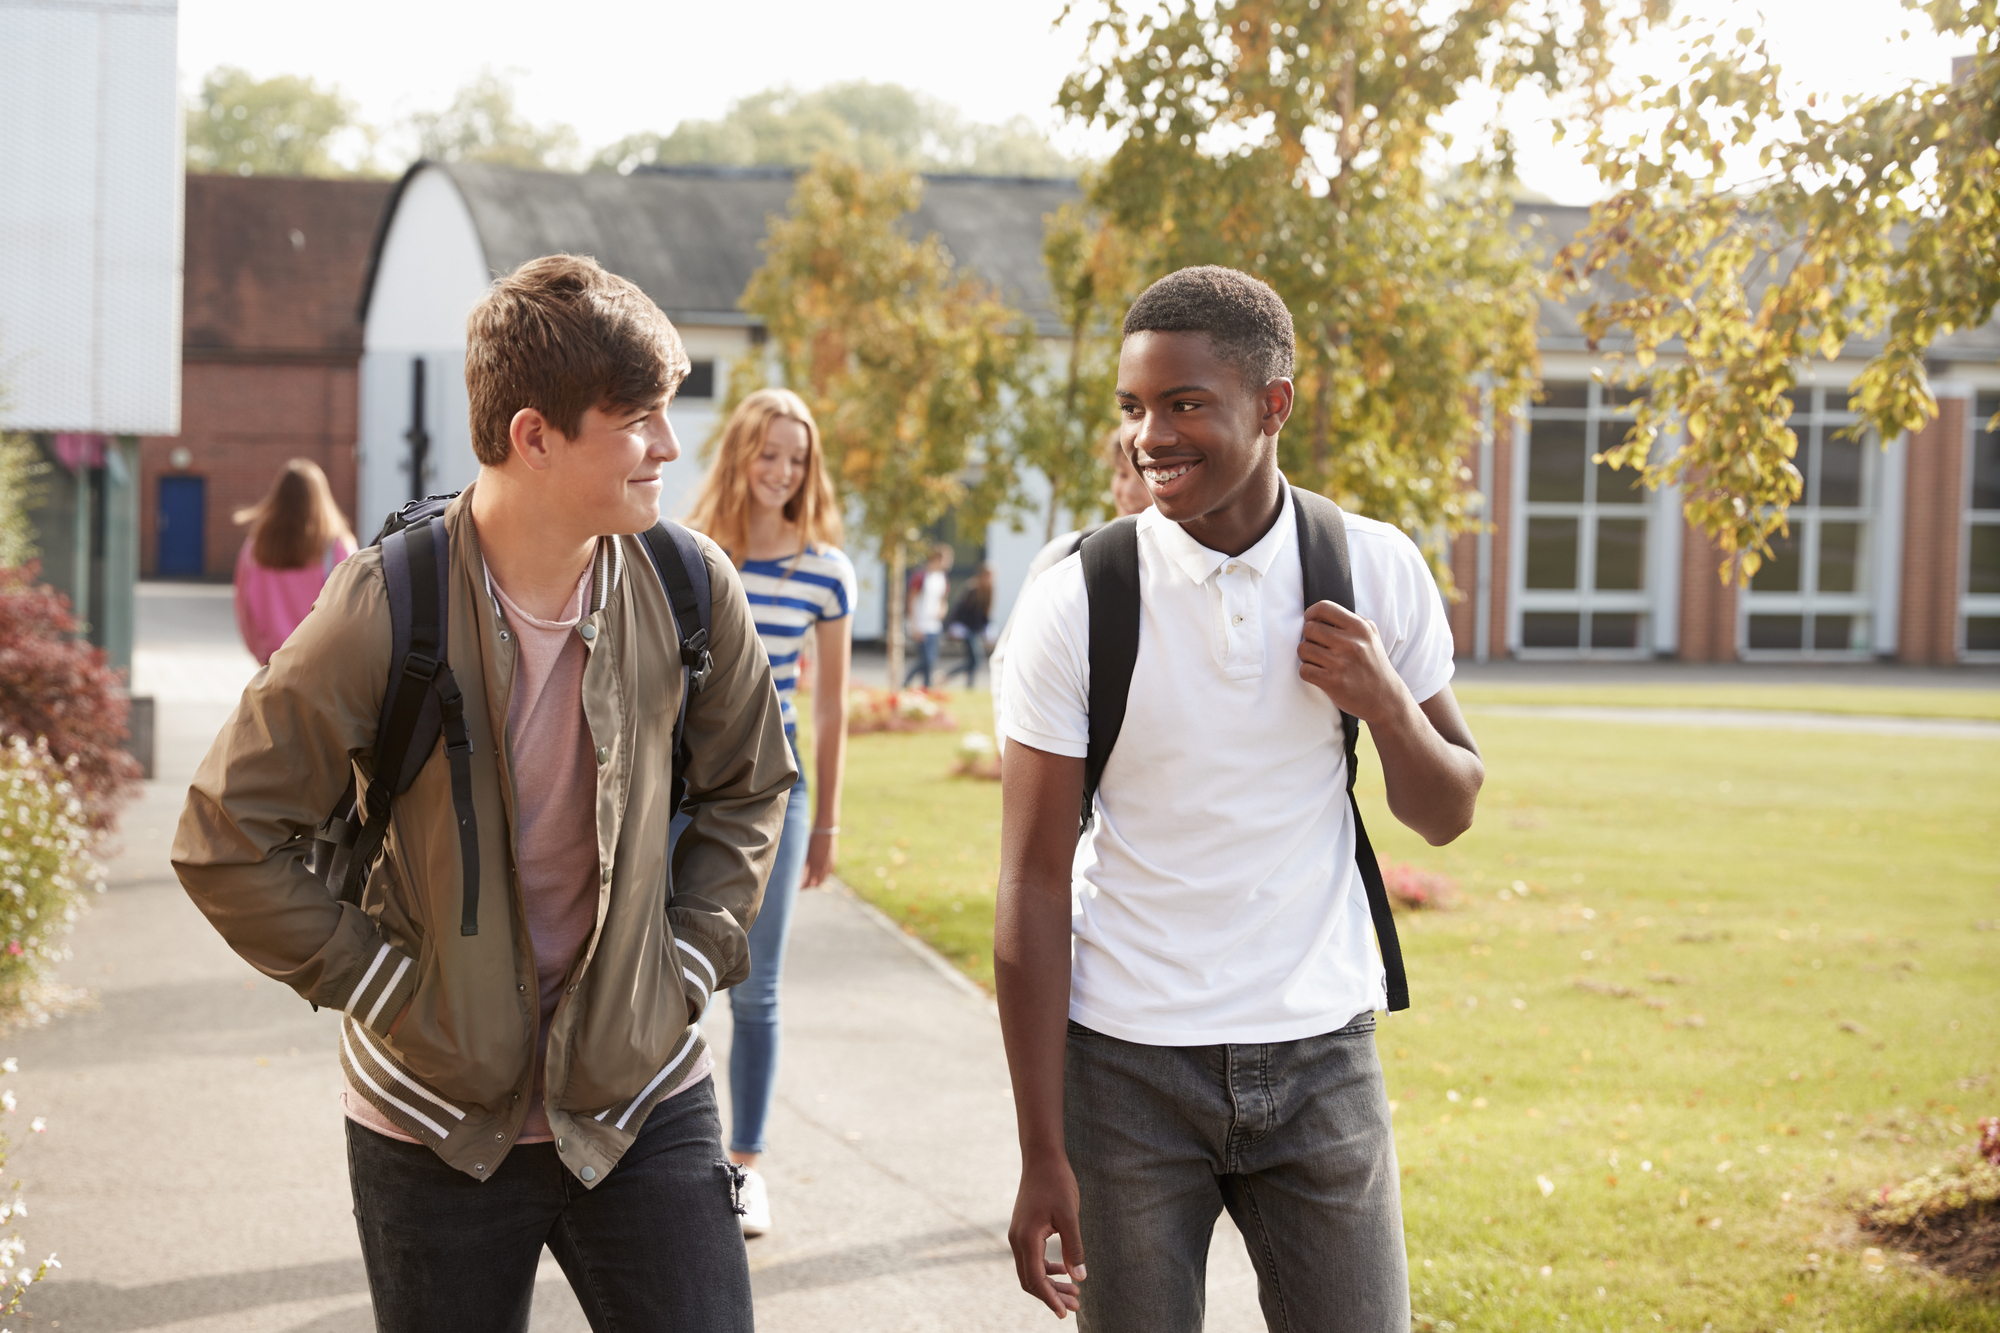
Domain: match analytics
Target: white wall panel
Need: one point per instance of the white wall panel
(90, 220)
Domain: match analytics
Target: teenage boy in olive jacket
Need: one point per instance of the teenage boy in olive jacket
(542, 1081)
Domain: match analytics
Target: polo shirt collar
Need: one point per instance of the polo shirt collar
(1199, 564)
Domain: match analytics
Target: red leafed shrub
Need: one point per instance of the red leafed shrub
(62, 692)
(1416, 888)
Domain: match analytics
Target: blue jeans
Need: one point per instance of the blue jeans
(974, 642)
(753, 1050)
(926, 663)
(657, 1245)
(1291, 1137)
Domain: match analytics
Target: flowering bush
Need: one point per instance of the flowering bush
(1416, 888)
(898, 710)
(15, 1277)
(1950, 1214)
(46, 872)
(63, 693)
(977, 757)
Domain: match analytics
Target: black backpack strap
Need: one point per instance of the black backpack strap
(1329, 577)
(422, 700)
(677, 559)
(1111, 582)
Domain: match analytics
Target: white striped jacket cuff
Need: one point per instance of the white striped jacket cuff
(385, 987)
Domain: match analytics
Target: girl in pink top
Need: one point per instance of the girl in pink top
(297, 535)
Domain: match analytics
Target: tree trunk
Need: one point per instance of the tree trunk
(899, 598)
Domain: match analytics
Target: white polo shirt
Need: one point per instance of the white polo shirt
(1216, 898)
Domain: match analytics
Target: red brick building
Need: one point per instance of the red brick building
(271, 346)
(1893, 553)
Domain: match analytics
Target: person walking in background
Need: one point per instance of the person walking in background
(925, 616)
(969, 620)
(297, 535)
(769, 503)
(1128, 496)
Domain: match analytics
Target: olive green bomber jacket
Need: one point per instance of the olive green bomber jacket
(458, 1070)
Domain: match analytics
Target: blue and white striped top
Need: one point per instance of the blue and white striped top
(787, 598)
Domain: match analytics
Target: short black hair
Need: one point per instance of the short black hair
(1245, 320)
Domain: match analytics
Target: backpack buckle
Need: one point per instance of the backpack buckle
(694, 652)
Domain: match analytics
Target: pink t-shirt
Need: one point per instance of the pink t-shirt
(270, 603)
(555, 834)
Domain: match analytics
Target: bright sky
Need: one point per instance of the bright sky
(615, 67)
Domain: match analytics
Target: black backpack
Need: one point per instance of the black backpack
(1111, 579)
(423, 699)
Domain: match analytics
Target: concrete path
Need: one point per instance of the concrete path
(1753, 719)
(193, 1175)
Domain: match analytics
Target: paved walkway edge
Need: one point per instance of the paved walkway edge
(934, 960)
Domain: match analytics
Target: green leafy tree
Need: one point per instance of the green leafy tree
(1070, 402)
(1298, 140)
(880, 125)
(482, 124)
(907, 362)
(283, 126)
(1869, 216)
(21, 471)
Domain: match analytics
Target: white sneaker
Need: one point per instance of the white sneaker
(756, 1201)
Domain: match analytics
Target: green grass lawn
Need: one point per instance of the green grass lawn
(1886, 700)
(1746, 986)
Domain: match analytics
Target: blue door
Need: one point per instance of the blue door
(183, 526)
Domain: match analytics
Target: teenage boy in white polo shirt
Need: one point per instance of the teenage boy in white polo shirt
(1188, 994)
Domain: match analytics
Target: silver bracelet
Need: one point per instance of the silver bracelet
(830, 832)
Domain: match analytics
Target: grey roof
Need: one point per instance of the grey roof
(1553, 226)
(689, 236)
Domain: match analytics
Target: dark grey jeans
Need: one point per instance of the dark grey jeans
(657, 1246)
(1292, 1138)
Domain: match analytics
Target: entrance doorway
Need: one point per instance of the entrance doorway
(183, 527)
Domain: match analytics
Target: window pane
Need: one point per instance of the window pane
(1780, 572)
(1802, 459)
(1778, 633)
(1982, 634)
(1617, 485)
(699, 381)
(1982, 572)
(1551, 553)
(1564, 393)
(1621, 554)
(1835, 400)
(1985, 454)
(1622, 395)
(1834, 633)
(1558, 453)
(1615, 629)
(1840, 472)
(1840, 557)
(1549, 629)
(1801, 400)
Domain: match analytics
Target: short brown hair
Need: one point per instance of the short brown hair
(561, 335)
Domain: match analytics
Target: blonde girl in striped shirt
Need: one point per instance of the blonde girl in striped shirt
(769, 503)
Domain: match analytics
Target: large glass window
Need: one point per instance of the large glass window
(1584, 528)
(1981, 605)
(1812, 595)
